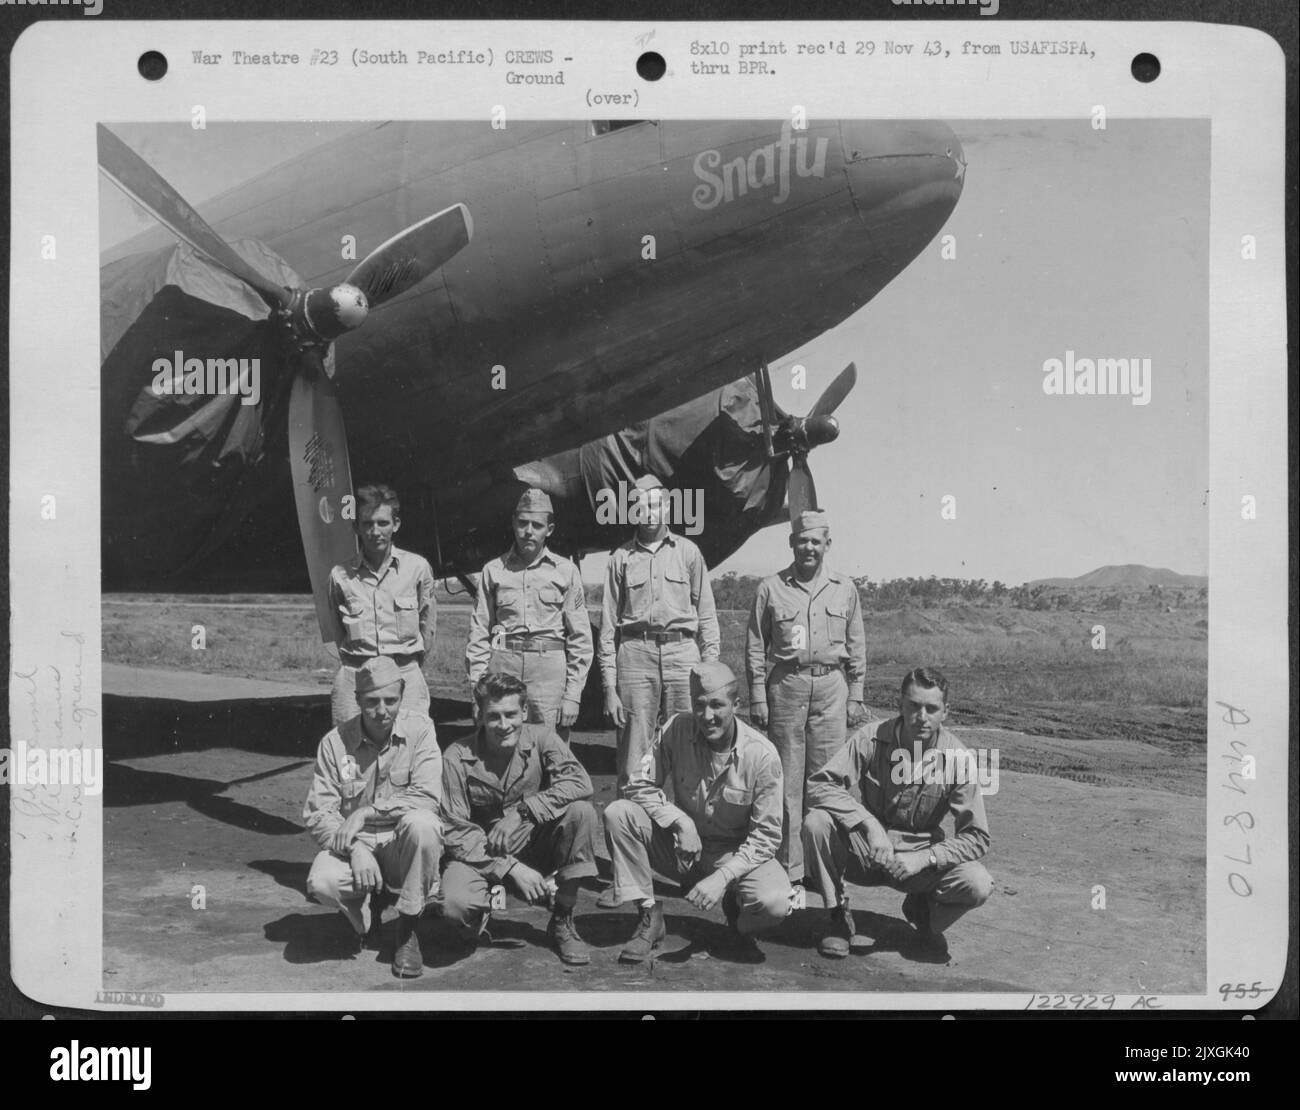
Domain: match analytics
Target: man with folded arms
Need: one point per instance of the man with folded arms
(517, 810)
(719, 834)
(893, 835)
(373, 809)
(534, 601)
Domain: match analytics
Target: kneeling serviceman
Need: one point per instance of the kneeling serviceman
(894, 835)
(720, 833)
(517, 809)
(373, 809)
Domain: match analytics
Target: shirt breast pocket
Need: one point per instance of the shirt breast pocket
(789, 631)
(731, 810)
(550, 599)
(352, 612)
(638, 591)
(677, 591)
(931, 806)
(509, 603)
(837, 624)
(406, 615)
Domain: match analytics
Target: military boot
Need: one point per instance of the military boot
(408, 960)
(563, 934)
(838, 940)
(649, 935)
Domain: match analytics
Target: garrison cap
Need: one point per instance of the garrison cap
(709, 678)
(648, 482)
(377, 673)
(808, 521)
(534, 501)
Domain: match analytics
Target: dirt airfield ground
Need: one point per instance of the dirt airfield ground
(219, 804)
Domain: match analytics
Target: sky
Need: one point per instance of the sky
(1067, 239)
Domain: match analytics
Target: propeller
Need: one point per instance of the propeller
(795, 436)
(310, 320)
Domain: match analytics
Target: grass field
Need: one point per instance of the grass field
(1032, 671)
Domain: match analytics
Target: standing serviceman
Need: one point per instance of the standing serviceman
(530, 619)
(806, 657)
(657, 622)
(383, 605)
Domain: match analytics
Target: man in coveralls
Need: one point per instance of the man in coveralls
(517, 809)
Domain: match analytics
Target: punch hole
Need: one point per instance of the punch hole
(152, 65)
(1146, 68)
(651, 66)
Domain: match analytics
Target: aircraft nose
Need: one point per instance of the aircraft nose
(914, 169)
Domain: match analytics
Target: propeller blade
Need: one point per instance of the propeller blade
(149, 189)
(766, 407)
(834, 394)
(318, 460)
(412, 255)
(801, 490)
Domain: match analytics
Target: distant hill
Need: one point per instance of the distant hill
(1130, 576)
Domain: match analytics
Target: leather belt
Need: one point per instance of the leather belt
(817, 670)
(353, 660)
(658, 637)
(529, 643)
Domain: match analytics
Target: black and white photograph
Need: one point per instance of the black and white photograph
(702, 557)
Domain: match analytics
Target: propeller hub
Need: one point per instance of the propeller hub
(819, 430)
(328, 313)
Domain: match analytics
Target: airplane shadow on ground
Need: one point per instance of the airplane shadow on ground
(289, 726)
(129, 786)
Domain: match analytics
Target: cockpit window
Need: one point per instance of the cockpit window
(605, 126)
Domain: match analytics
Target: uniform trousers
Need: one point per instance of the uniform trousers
(654, 682)
(408, 862)
(637, 845)
(834, 855)
(565, 847)
(807, 722)
(544, 673)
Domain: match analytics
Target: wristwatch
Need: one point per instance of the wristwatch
(933, 859)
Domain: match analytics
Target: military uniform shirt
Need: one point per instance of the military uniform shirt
(862, 777)
(543, 597)
(828, 611)
(385, 613)
(352, 772)
(665, 590)
(543, 775)
(737, 809)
